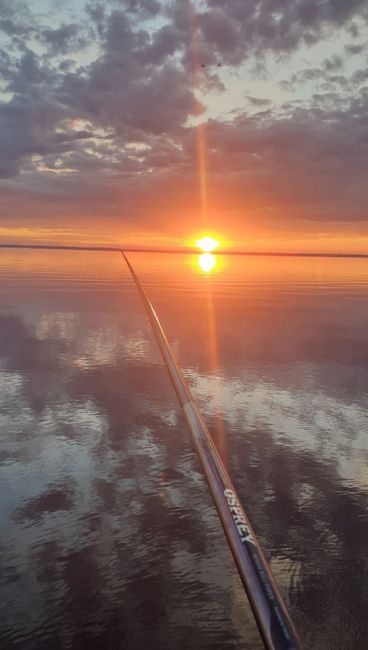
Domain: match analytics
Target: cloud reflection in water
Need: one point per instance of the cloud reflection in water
(108, 529)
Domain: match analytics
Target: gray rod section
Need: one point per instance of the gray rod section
(273, 620)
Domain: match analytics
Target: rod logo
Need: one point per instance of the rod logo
(238, 516)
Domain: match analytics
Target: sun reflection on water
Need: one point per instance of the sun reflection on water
(207, 262)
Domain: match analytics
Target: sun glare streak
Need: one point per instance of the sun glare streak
(197, 78)
(207, 262)
(202, 170)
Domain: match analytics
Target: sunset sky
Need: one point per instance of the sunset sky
(117, 122)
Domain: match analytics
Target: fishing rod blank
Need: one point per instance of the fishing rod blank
(274, 623)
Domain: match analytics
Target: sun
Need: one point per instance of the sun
(207, 244)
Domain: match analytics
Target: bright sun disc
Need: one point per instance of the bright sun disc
(207, 244)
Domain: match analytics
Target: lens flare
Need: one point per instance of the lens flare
(207, 262)
(207, 244)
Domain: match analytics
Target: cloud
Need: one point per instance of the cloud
(354, 49)
(309, 161)
(259, 102)
(63, 40)
(26, 128)
(142, 7)
(237, 28)
(117, 121)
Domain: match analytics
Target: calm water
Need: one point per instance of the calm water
(108, 535)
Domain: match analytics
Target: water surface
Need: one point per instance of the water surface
(109, 538)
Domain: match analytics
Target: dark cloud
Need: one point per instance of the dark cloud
(27, 128)
(330, 74)
(163, 45)
(29, 76)
(10, 27)
(309, 163)
(63, 40)
(239, 27)
(16, 19)
(5, 65)
(147, 7)
(360, 77)
(334, 64)
(260, 102)
(355, 49)
(159, 102)
(312, 161)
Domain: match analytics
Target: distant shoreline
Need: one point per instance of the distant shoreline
(181, 251)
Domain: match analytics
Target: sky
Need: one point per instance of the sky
(149, 122)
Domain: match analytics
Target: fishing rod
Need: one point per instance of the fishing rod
(274, 623)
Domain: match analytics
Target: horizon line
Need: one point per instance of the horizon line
(181, 251)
